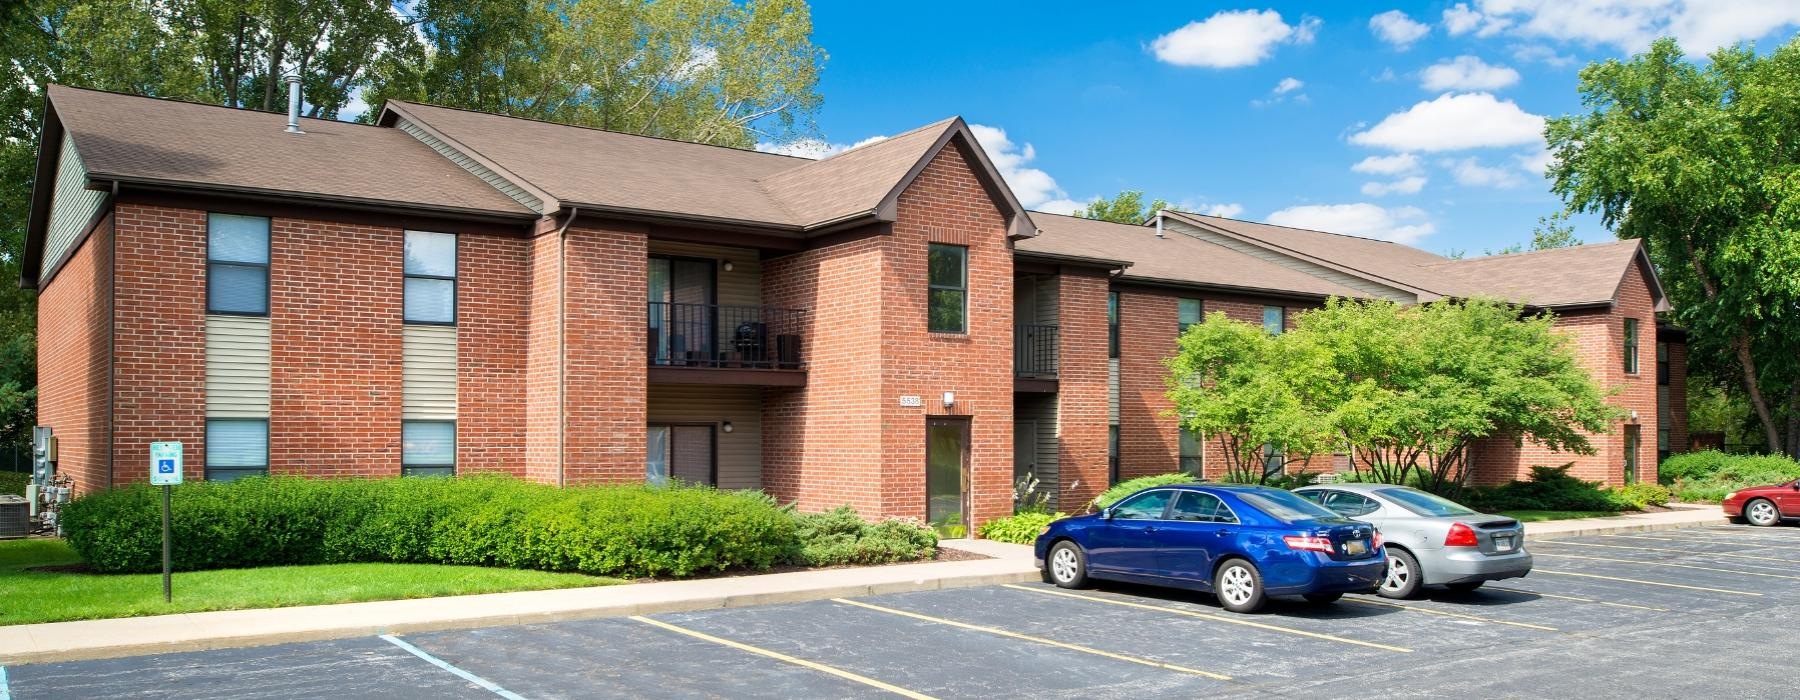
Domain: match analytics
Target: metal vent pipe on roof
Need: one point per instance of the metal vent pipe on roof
(1159, 224)
(293, 126)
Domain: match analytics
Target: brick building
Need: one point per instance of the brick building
(451, 292)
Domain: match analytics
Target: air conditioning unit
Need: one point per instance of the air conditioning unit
(15, 516)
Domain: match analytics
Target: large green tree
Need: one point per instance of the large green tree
(1702, 162)
(1252, 391)
(1126, 208)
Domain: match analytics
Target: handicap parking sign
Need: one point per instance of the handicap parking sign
(165, 463)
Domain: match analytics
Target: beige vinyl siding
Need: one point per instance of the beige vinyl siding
(475, 168)
(1048, 295)
(739, 451)
(741, 286)
(1042, 411)
(1112, 391)
(1292, 263)
(237, 367)
(428, 372)
(72, 206)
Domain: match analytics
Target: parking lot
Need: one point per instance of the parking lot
(1682, 613)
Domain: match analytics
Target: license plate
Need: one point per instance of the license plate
(1355, 547)
(1503, 543)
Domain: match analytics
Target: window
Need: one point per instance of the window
(430, 277)
(1425, 504)
(1112, 454)
(237, 264)
(949, 281)
(1112, 325)
(428, 447)
(236, 448)
(1631, 454)
(1274, 319)
(1274, 462)
(1662, 364)
(1192, 458)
(1149, 506)
(1190, 314)
(682, 452)
(1631, 346)
(1349, 505)
(1197, 507)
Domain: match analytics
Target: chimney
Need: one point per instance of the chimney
(293, 126)
(1159, 224)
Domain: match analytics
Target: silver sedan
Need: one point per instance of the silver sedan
(1431, 540)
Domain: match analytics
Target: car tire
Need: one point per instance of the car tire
(1403, 576)
(1239, 587)
(1465, 586)
(1761, 512)
(1322, 598)
(1066, 565)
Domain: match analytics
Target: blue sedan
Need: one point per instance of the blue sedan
(1241, 543)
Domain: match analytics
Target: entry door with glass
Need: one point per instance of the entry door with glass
(681, 311)
(947, 475)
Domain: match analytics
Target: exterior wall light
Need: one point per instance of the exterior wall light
(949, 398)
(727, 266)
(726, 426)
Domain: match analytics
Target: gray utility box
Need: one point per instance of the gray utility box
(15, 516)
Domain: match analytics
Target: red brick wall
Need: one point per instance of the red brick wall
(75, 360)
(604, 353)
(543, 359)
(1081, 386)
(335, 329)
(159, 337)
(493, 303)
(1149, 440)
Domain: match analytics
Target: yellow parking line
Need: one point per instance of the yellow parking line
(1641, 581)
(1029, 638)
(1209, 616)
(1671, 565)
(1665, 549)
(1578, 599)
(814, 665)
(1442, 613)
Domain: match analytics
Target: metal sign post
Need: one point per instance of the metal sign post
(165, 471)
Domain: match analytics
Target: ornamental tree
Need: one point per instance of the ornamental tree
(1235, 382)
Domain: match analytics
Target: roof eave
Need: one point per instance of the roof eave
(97, 180)
(1346, 269)
(1018, 221)
(1071, 259)
(50, 137)
(1234, 289)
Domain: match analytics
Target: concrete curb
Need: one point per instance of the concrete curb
(1691, 516)
(1620, 529)
(104, 639)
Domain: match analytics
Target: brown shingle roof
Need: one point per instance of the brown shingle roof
(854, 181)
(1384, 262)
(161, 141)
(1174, 258)
(1577, 276)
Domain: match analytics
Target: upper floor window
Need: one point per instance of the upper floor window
(949, 282)
(1274, 319)
(430, 277)
(1112, 324)
(1189, 313)
(1662, 364)
(237, 264)
(1631, 346)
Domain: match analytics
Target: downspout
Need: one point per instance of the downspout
(112, 330)
(562, 340)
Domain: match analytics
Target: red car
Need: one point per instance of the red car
(1764, 505)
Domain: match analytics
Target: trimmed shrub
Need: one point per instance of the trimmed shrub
(1550, 488)
(14, 483)
(626, 531)
(1705, 477)
(1018, 529)
(1131, 486)
(1637, 496)
(838, 537)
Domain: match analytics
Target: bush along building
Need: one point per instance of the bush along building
(450, 292)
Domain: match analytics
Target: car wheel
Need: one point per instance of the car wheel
(1322, 598)
(1761, 513)
(1403, 575)
(1239, 587)
(1465, 586)
(1067, 565)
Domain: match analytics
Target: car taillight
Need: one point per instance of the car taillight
(1460, 536)
(1375, 540)
(1312, 544)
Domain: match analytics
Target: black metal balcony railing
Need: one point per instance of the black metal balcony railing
(714, 335)
(1034, 351)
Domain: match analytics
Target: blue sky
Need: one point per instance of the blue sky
(1412, 121)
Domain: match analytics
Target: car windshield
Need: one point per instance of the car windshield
(1423, 503)
(1285, 506)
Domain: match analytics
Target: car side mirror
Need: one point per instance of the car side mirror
(1106, 514)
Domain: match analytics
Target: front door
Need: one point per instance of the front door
(947, 475)
(1024, 450)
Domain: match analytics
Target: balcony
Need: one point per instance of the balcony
(1034, 357)
(720, 344)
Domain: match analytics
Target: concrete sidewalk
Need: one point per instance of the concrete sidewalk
(1681, 516)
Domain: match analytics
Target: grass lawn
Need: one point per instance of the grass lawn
(44, 596)
(1534, 516)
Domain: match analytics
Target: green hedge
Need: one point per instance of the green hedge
(1552, 488)
(1707, 476)
(839, 537)
(625, 531)
(1018, 529)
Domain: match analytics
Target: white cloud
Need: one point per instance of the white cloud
(1281, 93)
(1405, 185)
(1032, 186)
(813, 148)
(1288, 85)
(1466, 73)
(1470, 172)
(1397, 164)
(1231, 39)
(1397, 29)
(1454, 122)
(1630, 25)
(1539, 53)
(1061, 206)
(1460, 19)
(1399, 224)
(1227, 210)
(1536, 162)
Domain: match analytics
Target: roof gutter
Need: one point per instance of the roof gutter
(103, 181)
(1246, 291)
